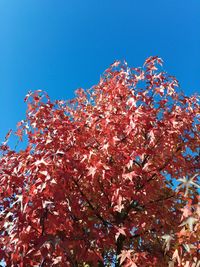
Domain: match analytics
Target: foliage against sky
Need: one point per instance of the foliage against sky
(110, 177)
(58, 46)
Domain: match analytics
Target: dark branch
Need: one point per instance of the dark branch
(105, 223)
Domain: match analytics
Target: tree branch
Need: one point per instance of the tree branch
(105, 223)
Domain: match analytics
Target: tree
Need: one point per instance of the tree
(109, 178)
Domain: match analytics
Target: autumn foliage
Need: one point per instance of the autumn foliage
(109, 178)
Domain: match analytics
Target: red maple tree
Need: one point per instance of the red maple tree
(109, 178)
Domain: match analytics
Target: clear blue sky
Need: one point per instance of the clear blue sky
(60, 45)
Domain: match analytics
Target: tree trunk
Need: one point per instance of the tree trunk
(120, 242)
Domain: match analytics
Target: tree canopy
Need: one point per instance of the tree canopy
(109, 178)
